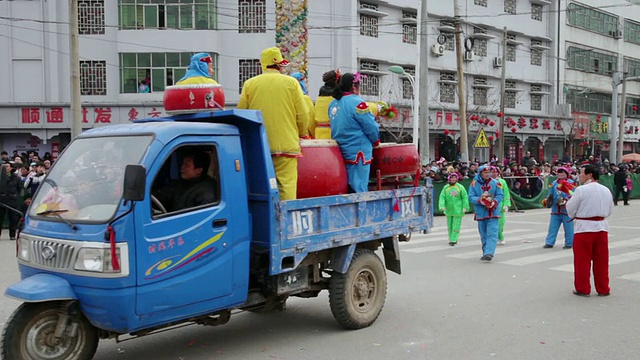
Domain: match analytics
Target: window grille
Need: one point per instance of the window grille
(409, 33)
(252, 16)
(510, 99)
(592, 19)
(407, 89)
(247, 68)
(536, 12)
(93, 77)
(91, 17)
(168, 14)
(536, 102)
(480, 2)
(511, 53)
(447, 90)
(368, 25)
(510, 6)
(480, 96)
(369, 84)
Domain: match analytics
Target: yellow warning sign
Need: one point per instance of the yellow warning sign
(481, 140)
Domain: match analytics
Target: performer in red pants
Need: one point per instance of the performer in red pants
(589, 206)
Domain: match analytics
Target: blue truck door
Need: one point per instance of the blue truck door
(186, 256)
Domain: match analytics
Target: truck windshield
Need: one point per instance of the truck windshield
(85, 183)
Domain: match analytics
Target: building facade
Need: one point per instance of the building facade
(131, 49)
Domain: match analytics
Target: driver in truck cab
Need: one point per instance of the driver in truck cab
(194, 188)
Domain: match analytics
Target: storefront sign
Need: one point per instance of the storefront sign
(580, 125)
(60, 117)
(599, 127)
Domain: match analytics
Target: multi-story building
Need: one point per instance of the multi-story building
(131, 49)
(600, 39)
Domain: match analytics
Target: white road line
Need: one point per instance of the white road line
(534, 259)
(445, 245)
(500, 250)
(613, 260)
(631, 277)
(439, 237)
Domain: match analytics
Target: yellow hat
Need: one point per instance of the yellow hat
(272, 56)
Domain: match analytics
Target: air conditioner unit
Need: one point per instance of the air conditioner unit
(468, 56)
(497, 62)
(437, 49)
(617, 34)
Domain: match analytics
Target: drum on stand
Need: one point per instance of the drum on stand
(321, 170)
(395, 160)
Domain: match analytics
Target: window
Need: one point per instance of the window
(167, 14)
(409, 33)
(447, 87)
(634, 67)
(480, 45)
(200, 161)
(510, 6)
(480, 91)
(157, 70)
(480, 96)
(631, 31)
(480, 2)
(252, 16)
(591, 61)
(407, 88)
(536, 54)
(93, 77)
(450, 44)
(582, 101)
(368, 25)
(509, 94)
(511, 53)
(536, 97)
(370, 84)
(592, 19)
(536, 12)
(247, 68)
(91, 17)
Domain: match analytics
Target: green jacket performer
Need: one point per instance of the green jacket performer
(454, 203)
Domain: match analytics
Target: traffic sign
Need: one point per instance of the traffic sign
(481, 140)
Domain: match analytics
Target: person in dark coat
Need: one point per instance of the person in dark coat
(620, 181)
(9, 189)
(194, 188)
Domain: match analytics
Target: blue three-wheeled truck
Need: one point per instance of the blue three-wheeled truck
(101, 255)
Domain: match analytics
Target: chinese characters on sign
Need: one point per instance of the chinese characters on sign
(599, 127)
(165, 245)
(580, 125)
(90, 115)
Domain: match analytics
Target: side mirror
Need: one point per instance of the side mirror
(135, 179)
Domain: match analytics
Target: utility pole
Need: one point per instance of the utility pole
(462, 97)
(502, 94)
(623, 105)
(613, 127)
(74, 62)
(423, 84)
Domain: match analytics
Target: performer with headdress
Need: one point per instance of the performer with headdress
(200, 70)
(560, 192)
(454, 203)
(486, 194)
(505, 204)
(355, 130)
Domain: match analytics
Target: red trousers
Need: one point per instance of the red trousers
(588, 248)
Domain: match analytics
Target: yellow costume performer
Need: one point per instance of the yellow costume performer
(321, 126)
(285, 115)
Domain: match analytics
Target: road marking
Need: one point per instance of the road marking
(534, 259)
(422, 249)
(631, 277)
(613, 260)
(502, 250)
(422, 239)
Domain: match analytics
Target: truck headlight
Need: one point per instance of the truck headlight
(23, 249)
(96, 260)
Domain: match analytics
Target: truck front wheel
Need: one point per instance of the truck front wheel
(29, 335)
(357, 297)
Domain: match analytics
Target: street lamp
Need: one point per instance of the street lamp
(397, 69)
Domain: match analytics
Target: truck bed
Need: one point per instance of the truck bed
(316, 224)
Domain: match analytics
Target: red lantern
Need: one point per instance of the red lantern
(492, 123)
(453, 132)
(490, 137)
(498, 133)
(446, 131)
(499, 114)
(634, 108)
(513, 129)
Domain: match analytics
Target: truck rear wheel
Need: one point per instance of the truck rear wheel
(357, 297)
(29, 335)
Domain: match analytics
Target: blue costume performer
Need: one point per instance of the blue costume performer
(355, 130)
(486, 194)
(559, 194)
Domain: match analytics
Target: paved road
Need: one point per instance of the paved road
(446, 305)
